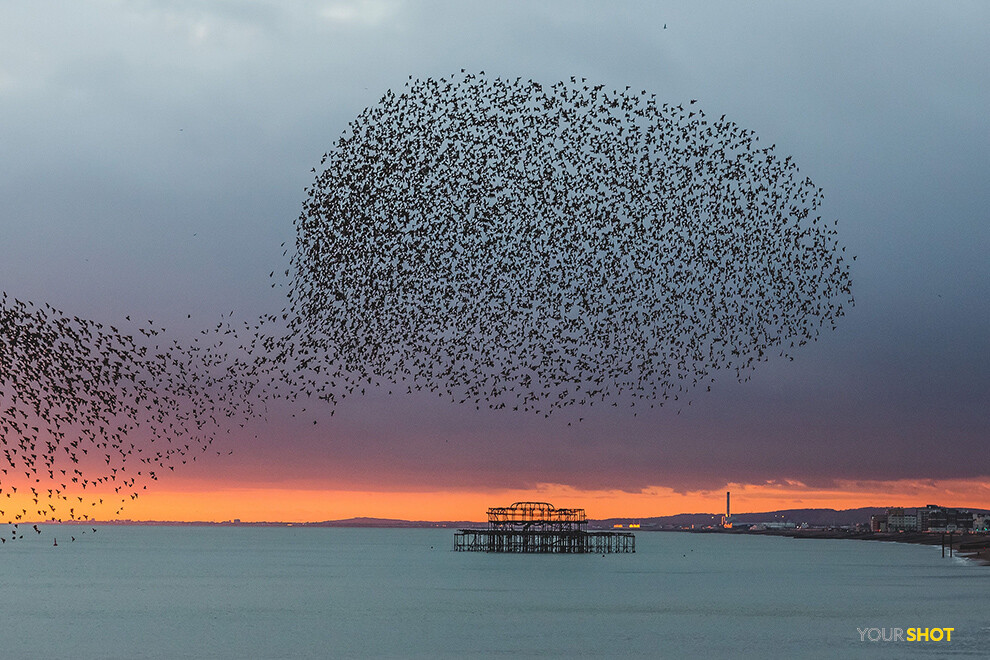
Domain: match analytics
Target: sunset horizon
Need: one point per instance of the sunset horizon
(249, 504)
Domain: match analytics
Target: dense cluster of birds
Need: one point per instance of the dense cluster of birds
(90, 414)
(500, 242)
(511, 244)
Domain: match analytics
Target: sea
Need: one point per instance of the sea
(307, 592)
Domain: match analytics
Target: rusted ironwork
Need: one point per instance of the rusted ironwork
(540, 527)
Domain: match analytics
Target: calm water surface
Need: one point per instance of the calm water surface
(209, 592)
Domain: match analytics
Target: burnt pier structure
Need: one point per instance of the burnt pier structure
(540, 527)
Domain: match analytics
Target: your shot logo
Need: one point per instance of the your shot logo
(905, 635)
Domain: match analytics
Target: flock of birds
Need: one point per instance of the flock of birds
(510, 244)
(89, 414)
(499, 242)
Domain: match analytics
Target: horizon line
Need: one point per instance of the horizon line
(441, 522)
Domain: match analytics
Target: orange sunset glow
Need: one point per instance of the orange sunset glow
(251, 504)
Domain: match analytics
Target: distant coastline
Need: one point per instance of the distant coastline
(385, 523)
(828, 524)
(854, 520)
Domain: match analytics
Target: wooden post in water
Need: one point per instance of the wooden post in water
(943, 544)
(950, 544)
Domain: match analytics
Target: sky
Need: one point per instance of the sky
(154, 156)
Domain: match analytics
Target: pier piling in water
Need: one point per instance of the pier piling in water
(540, 527)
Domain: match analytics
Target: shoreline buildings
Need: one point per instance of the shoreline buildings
(931, 518)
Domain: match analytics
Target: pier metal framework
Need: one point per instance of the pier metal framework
(540, 527)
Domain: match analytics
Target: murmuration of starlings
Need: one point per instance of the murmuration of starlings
(502, 243)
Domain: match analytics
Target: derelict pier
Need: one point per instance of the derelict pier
(539, 527)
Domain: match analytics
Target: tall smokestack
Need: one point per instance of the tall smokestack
(727, 510)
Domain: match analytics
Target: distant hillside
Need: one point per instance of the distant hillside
(814, 517)
(391, 522)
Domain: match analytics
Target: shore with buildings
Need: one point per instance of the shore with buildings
(960, 532)
(972, 545)
(931, 518)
